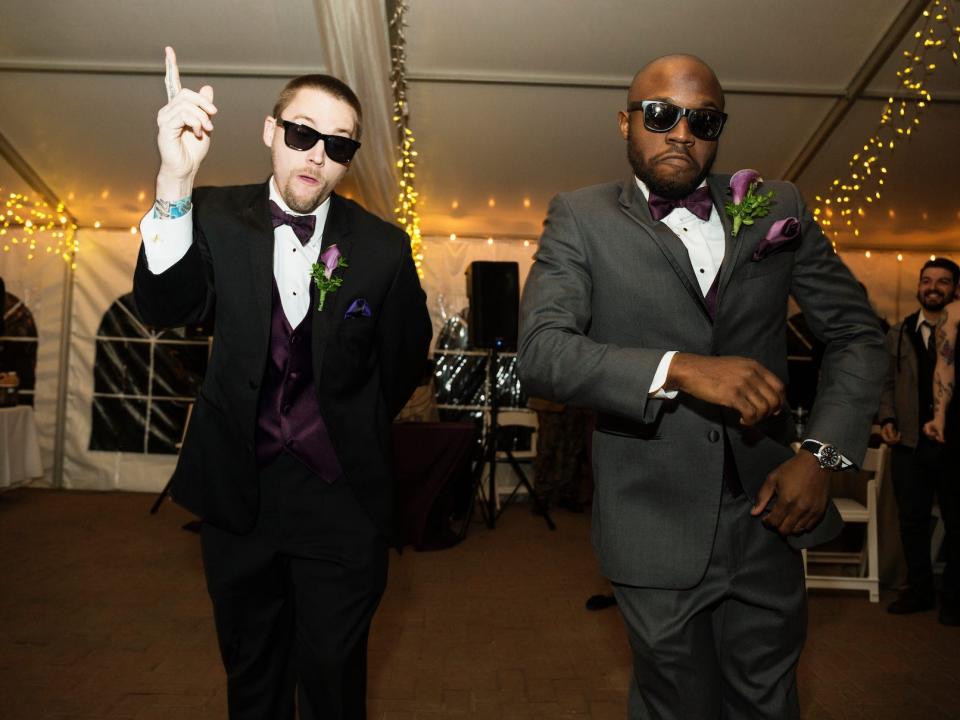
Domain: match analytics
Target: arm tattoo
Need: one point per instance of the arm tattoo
(166, 210)
(942, 393)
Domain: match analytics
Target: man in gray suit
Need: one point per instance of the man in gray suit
(644, 305)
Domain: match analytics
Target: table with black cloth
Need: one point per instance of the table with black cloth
(433, 480)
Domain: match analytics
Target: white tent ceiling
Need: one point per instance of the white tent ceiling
(509, 100)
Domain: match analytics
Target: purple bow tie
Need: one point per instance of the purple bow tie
(302, 225)
(698, 202)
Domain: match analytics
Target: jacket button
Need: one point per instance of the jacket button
(285, 409)
(253, 385)
(713, 436)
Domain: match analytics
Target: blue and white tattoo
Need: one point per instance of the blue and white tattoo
(166, 210)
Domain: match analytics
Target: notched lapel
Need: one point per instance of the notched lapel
(733, 246)
(336, 231)
(634, 205)
(256, 218)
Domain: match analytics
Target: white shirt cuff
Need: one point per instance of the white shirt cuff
(660, 378)
(166, 241)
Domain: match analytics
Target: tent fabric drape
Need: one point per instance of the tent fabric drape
(356, 48)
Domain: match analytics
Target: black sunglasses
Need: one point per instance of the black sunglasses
(303, 137)
(661, 117)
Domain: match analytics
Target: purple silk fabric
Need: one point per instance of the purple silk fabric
(289, 417)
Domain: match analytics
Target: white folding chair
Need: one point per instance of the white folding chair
(867, 558)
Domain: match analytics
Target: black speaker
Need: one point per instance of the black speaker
(494, 292)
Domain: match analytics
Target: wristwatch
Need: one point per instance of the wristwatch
(829, 457)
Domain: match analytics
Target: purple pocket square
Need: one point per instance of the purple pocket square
(358, 308)
(780, 233)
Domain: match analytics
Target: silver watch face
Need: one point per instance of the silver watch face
(829, 457)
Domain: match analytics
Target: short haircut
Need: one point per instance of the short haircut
(324, 83)
(944, 264)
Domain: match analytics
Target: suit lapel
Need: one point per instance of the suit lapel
(256, 217)
(635, 206)
(732, 245)
(336, 231)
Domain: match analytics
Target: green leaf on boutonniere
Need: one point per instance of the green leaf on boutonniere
(325, 284)
(754, 205)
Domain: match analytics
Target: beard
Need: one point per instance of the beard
(932, 305)
(301, 204)
(671, 188)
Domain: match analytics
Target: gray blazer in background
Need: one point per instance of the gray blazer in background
(900, 398)
(611, 291)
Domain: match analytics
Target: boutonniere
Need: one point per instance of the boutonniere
(747, 205)
(322, 273)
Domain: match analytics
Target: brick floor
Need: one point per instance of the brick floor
(104, 614)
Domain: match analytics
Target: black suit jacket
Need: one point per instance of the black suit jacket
(365, 368)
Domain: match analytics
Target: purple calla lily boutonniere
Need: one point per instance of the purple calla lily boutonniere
(782, 231)
(747, 204)
(322, 273)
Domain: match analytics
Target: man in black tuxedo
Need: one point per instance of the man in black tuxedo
(287, 458)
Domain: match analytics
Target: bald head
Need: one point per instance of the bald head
(671, 159)
(656, 79)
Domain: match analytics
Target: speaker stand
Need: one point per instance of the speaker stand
(490, 455)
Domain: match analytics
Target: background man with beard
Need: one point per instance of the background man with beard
(920, 464)
(643, 306)
(287, 456)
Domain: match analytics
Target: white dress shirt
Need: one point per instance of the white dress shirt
(706, 245)
(925, 330)
(166, 241)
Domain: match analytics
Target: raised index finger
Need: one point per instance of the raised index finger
(172, 77)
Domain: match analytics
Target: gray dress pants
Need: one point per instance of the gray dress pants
(728, 647)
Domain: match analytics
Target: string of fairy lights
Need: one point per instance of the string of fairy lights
(407, 197)
(842, 206)
(30, 224)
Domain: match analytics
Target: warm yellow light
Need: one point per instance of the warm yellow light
(133, 230)
(96, 224)
(526, 202)
(489, 241)
(491, 202)
(105, 194)
(526, 243)
(899, 257)
(933, 257)
(455, 204)
(453, 236)
(867, 254)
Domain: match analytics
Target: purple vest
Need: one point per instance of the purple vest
(288, 416)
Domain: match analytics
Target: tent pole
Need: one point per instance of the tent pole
(63, 373)
(841, 106)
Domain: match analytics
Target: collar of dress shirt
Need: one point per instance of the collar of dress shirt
(921, 317)
(321, 211)
(646, 191)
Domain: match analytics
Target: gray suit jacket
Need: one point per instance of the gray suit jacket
(611, 291)
(900, 398)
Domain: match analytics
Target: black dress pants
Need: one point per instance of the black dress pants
(919, 474)
(294, 598)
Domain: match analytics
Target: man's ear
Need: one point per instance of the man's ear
(623, 119)
(269, 127)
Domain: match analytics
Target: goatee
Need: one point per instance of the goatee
(670, 188)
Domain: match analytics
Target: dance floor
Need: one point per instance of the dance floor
(104, 614)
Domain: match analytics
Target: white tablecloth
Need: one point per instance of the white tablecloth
(19, 452)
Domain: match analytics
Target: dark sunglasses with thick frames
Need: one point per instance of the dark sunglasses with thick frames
(303, 137)
(661, 117)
